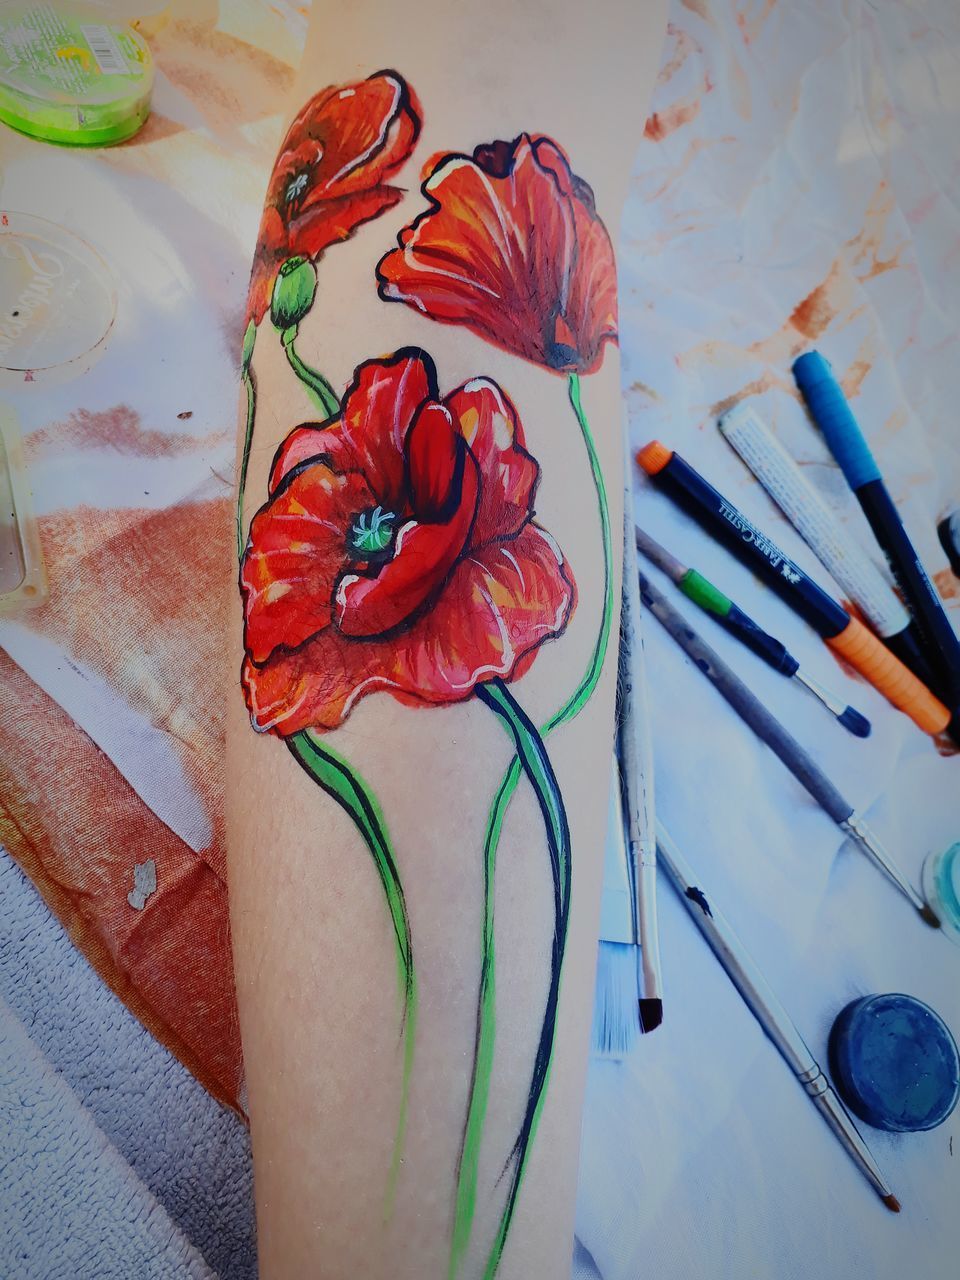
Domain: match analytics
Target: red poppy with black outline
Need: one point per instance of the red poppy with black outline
(397, 552)
(329, 175)
(512, 247)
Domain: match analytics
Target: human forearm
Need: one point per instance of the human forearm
(426, 564)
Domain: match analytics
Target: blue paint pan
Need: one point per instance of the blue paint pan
(895, 1063)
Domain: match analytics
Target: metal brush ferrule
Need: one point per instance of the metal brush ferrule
(857, 829)
(816, 688)
(814, 1081)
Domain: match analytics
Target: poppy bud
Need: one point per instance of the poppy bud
(293, 293)
(246, 351)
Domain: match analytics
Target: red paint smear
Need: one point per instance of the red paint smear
(812, 316)
(119, 429)
(852, 380)
(77, 827)
(755, 388)
(662, 123)
(684, 45)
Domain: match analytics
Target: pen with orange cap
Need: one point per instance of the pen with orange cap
(845, 635)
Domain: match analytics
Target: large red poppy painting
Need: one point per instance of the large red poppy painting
(396, 550)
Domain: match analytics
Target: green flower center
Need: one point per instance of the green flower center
(372, 531)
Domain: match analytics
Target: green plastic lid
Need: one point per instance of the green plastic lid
(69, 75)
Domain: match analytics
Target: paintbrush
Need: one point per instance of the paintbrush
(636, 777)
(733, 619)
(629, 979)
(766, 726)
(615, 1023)
(770, 1013)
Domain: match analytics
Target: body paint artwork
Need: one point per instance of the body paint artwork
(511, 247)
(397, 550)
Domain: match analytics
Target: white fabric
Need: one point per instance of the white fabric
(820, 147)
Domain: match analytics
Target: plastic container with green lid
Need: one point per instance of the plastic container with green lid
(71, 73)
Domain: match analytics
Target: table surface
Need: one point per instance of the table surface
(799, 184)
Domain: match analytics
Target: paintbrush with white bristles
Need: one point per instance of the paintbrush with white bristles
(629, 994)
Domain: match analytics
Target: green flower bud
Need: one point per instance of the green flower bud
(293, 293)
(246, 353)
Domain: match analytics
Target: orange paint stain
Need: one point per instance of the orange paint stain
(759, 385)
(701, 8)
(947, 585)
(867, 245)
(673, 175)
(662, 123)
(751, 28)
(683, 46)
(640, 388)
(853, 379)
(814, 313)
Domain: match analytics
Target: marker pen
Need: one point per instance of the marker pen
(832, 415)
(847, 636)
(848, 563)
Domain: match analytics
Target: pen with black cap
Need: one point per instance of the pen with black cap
(832, 414)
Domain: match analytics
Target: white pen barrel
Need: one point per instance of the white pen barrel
(805, 509)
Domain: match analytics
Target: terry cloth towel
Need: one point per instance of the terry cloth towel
(72, 1208)
(109, 1148)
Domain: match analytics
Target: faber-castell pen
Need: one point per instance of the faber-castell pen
(830, 411)
(636, 771)
(837, 550)
(847, 636)
(759, 998)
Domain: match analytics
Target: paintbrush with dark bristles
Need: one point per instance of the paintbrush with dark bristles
(703, 593)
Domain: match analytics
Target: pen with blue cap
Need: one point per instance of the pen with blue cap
(830, 411)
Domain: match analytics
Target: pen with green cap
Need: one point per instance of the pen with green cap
(775, 654)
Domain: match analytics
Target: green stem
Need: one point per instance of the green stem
(251, 387)
(486, 1007)
(318, 388)
(536, 765)
(340, 781)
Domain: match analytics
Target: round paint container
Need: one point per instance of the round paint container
(68, 73)
(58, 301)
(940, 881)
(895, 1063)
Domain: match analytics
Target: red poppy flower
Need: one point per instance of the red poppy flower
(512, 247)
(329, 175)
(397, 551)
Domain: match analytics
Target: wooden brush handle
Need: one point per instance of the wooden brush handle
(748, 707)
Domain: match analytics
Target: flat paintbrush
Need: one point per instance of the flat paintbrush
(615, 1024)
(629, 980)
(767, 727)
(636, 778)
(770, 1013)
(733, 619)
